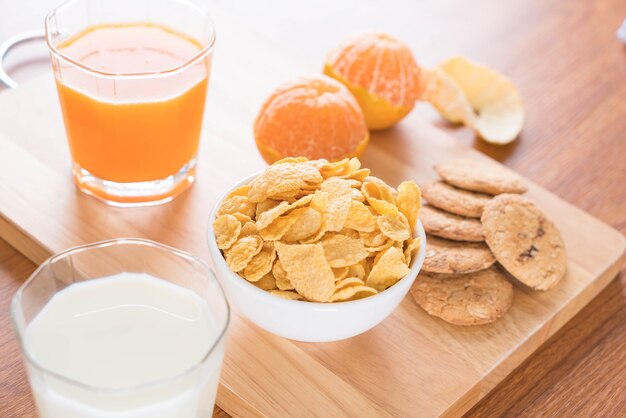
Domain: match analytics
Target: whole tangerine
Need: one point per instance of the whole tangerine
(381, 73)
(311, 116)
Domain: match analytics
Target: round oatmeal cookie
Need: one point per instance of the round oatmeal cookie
(454, 227)
(445, 256)
(524, 241)
(465, 299)
(479, 176)
(451, 199)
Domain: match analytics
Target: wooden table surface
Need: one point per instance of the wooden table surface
(571, 71)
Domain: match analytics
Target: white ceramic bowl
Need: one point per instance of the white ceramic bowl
(309, 321)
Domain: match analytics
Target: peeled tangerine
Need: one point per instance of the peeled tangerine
(382, 74)
(477, 96)
(314, 117)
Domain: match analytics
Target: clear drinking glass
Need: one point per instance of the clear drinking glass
(58, 393)
(132, 77)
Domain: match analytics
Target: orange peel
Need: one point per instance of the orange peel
(477, 96)
(381, 72)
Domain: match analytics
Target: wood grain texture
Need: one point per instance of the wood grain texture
(570, 70)
(15, 396)
(574, 373)
(580, 371)
(401, 378)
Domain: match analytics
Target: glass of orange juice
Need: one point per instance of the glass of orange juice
(132, 78)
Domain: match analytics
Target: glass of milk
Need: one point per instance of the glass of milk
(122, 328)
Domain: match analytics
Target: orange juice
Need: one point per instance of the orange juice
(141, 120)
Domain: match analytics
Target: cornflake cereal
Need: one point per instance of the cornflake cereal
(280, 275)
(318, 231)
(227, 229)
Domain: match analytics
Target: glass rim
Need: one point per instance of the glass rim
(81, 248)
(206, 49)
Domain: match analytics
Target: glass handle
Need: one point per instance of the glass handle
(8, 45)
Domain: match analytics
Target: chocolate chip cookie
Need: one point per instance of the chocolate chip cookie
(524, 241)
(477, 176)
(454, 227)
(454, 200)
(445, 256)
(465, 299)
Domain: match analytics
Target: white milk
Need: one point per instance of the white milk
(124, 331)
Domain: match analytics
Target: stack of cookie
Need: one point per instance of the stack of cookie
(476, 216)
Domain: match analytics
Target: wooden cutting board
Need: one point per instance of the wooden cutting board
(411, 364)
